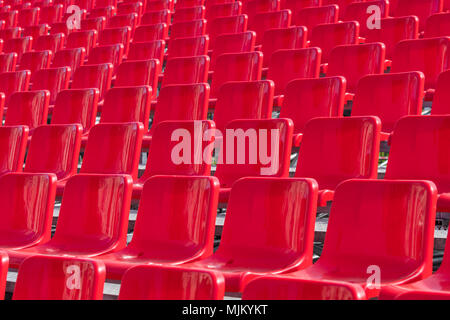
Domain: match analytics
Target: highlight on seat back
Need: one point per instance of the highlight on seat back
(52, 79)
(4, 262)
(420, 8)
(13, 145)
(232, 43)
(171, 283)
(93, 76)
(186, 70)
(363, 11)
(313, 16)
(60, 278)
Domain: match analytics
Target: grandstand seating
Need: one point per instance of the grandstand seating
(4, 263)
(13, 144)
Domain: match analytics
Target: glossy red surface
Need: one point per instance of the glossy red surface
(147, 50)
(389, 97)
(420, 8)
(86, 39)
(359, 11)
(243, 100)
(186, 29)
(223, 10)
(186, 70)
(442, 95)
(60, 278)
(93, 76)
(92, 221)
(13, 145)
(289, 64)
(123, 20)
(97, 24)
(171, 283)
(252, 7)
(145, 33)
(35, 60)
(223, 25)
(157, 16)
(263, 22)
(52, 42)
(51, 14)
(245, 66)
(188, 47)
(337, 149)
(18, 45)
(116, 35)
(28, 17)
(106, 54)
(188, 14)
(437, 25)
(28, 108)
(27, 209)
(72, 58)
(175, 224)
(271, 245)
(296, 5)
(4, 263)
(10, 33)
(233, 43)
(54, 80)
(391, 230)
(356, 61)
(55, 149)
(311, 17)
(8, 62)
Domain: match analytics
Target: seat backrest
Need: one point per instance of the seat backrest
(11, 82)
(55, 149)
(284, 38)
(296, 5)
(13, 145)
(289, 64)
(4, 263)
(186, 29)
(60, 278)
(394, 30)
(28, 108)
(10, 33)
(156, 16)
(76, 106)
(145, 33)
(392, 227)
(171, 283)
(113, 148)
(311, 17)
(10, 18)
(362, 12)
(97, 24)
(93, 76)
(27, 209)
(52, 42)
(418, 150)
(305, 99)
(328, 36)
(246, 66)
(28, 17)
(223, 10)
(420, 8)
(356, 61)
(189, 14)
(431, 56)
(94, 213)
(181, 102)
(8, 62)
(18, 45)
(72, 58)
(222, 25)
(186, 70)
(127, 104)
(237, 153)
(270, 237)
(389, 97)
(442, 95)
(139, 73)
(54, 80)
(253, 7)
(437, 25)
(177, 217)
(337, 149)
(116, 35)
(36, 31)
(106, 54)
(35, 60)
(233, 43)
(243, 100)
(51, 14)
(147, 50)
(188, 47)
(269, 20)
(123, 20)
(181, 148)
(86, 39)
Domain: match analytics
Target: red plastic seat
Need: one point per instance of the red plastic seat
(13, 145)
(97, 24)
(60, 278)
(166, 156)
(159, 5)
(280, 238)
(389, 97)
(124, 20)
(394, 30)
(55, 149)
(311, 17)
(28, 108)
(72, 58)
(146, 33)
(86, 39)
(246, 66)
(186, 70)
(92, 221)
(291, 64)
(35, 60)
(59, 27)
(431, 56)
(236, 154)
(52, 42)
(356, 61)
(420, 8)
(437, 25)
(188, 14)
(11, 82)
(181, 4)
(337, 149)
(4, 263)
(188, 47)
(223, 10)
(416, 141)
(155, 17)
(175, 231)
(328, 36)
(106, 12)
(24, 225)
(28, 17)
(18, 45)
(93, 76)
(441, 98)
(286, 38)
(125, 8)
(171, 283)
(342, 5)
(51, 14)
(243, 100)
(106, 54)
(147, 50)
(253, 7)
(269, 20)
(186, 29)
(10, 33)
(233, 43)
(36, 31)
(76, 106)
(289, 288)
(10, 18)
(54, 80)
(296, 5)
(116, 35)
(359, 11)
(139, 73)
(8, 62)
(223, 25)
(305, 99)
